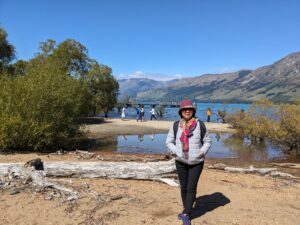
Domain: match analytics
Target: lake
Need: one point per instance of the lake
(172, 113)
(224, 146)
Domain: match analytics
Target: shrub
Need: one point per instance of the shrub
(287, 129)
(278, 123)
(40, 111)
(161, 110)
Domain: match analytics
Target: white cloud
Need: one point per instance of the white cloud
(230, 69)
(149, 75)
(226, 70)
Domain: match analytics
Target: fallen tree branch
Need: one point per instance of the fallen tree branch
(31, 176)
(38, 177)
(84, 154)
(288, 165)
(251, 169)
(280, 174)
(121, 170)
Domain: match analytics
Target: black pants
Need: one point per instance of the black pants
(153, 116)
(208, 118)
(188, 177)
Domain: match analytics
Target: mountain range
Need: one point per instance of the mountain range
(279, 82)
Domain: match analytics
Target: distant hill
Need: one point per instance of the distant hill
(278, 82)
(133, 86)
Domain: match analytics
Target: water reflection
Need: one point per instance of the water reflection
(244, 149)
(223, 146)
(141, 137)
(218, 137)
(152, 136)
(107, 144)
(148, 143)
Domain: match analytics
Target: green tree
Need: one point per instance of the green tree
(7, 51)
(103, 87)
(47, 47)
(71, 57)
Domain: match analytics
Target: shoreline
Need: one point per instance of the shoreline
(111, 127)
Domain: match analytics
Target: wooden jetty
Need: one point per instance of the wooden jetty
(160, 104)
(170, 105)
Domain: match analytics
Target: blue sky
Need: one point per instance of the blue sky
(160, 39)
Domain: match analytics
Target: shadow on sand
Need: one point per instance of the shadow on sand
(91, 120)
(208, 203)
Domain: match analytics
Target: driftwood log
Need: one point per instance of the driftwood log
(38, 177)
(163, 171)
(251, 169)
(288, 165)
(84, 154)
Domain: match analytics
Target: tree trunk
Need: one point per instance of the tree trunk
(161, 171)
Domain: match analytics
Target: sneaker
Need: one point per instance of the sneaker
(186, 219)
(180, 216)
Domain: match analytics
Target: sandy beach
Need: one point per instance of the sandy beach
(223, 197)
(119, 127)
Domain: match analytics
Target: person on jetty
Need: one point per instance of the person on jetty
(123, 114)
(189, 142)
(142, 113)
(139, 115)
(153, 113)
(208, 113)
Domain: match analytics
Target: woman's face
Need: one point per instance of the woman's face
(187, 113)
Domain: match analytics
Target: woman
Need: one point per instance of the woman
(123, 114)
(186, 145)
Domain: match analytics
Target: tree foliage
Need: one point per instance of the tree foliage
(19, 68)
(40, 110)
(42, 100)
(265, 121)
(103, 86)
(7, 51)
(71, 57)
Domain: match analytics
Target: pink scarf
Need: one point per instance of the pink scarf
(187, 132)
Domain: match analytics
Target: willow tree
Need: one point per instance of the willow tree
(40, 111)
(40, 105)
(72, 57)
(103, 86)
(7, 51)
